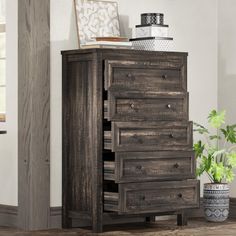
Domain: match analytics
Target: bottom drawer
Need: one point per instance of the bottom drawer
(153, 197)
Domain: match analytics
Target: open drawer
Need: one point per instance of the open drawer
(149, 166)
(153, 197)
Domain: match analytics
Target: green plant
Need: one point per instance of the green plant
(218, 161)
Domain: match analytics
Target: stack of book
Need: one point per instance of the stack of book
(152, 34)
(108, 42)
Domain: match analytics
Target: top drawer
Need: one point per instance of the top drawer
(146, 75)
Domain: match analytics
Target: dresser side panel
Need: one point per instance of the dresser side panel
(77, 135)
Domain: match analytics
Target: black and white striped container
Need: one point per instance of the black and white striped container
(152, 19)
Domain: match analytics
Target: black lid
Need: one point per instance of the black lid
(152, 14)
(148, 25)
(151, 38)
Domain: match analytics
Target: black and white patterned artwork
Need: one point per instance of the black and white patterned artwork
(96, 19)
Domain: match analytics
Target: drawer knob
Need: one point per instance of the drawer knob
(138, 167)
(176, 165)
(164, 76)
(132, 106)
(180, 195)
(143, 198)
(171, 136)
(168, 106)
(129, 75)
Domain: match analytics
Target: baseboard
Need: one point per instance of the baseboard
(55, 217)
(8, 216)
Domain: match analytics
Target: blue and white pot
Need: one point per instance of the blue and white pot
(216, 202)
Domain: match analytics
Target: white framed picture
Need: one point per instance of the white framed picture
(96, 19)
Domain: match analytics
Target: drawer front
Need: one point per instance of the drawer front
(128, 106)
(147, 166)
(153, 197)
(146, 75)
(158, 197)
(149, 136)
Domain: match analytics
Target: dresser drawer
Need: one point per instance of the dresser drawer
(146, 75)
(153, 197)
(128, 106)
(148, 136)
(146, 166)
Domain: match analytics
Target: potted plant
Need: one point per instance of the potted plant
(216, 156)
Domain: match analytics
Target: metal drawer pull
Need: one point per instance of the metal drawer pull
(132, 106)
(168, 106)
(171, 136)
(129, 75)
(142, 198)
(180, 195)
(138, 167)
(176, 165)
(164, 76)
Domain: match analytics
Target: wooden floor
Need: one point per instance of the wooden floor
(196, 227)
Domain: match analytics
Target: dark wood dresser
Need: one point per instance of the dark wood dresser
(127, 140)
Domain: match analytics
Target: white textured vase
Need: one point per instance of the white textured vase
(216, 202)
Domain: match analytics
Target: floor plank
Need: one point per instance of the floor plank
(197, 227)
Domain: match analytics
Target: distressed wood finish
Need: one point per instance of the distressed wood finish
(150, 197)
(148, 136)
(34, 114)
(149, 166)
(82, 142)
(129, 106)
(165, 73)
(125, 134)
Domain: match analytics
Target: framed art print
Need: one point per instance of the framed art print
(96, 19)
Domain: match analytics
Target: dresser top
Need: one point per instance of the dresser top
(120, 51)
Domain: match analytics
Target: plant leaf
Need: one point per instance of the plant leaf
(212, 137)
(208, 162)
(198, 148)
(232, 159)
(219, 152)
(200, 128)
(229, 175)
(230, 133)
(200, 169)
(216, 119)
(217, 171)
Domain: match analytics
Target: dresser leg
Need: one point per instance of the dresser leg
(182, 219)
(150, 219)
(97, 228)
(66, 223)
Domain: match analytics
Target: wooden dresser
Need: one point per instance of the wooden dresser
(127, 140)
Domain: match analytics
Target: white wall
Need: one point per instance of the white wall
(193, 25)
(8, 142)
(227, 62)
(63, 37)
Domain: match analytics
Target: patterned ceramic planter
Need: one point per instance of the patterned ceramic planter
(216, 202)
